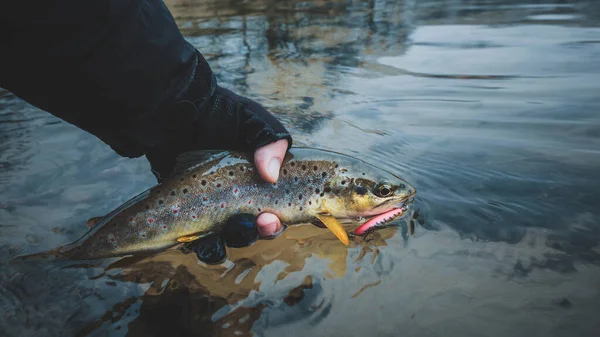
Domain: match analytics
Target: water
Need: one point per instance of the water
(490, 108)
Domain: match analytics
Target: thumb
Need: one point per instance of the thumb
(268, 159)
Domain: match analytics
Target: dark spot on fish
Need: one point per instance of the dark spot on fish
(327, 189)
(303, 167)
(242, 168)
(317, 191)
(315, 167)
(322, 194)
(203, 182)
(231, 173)
(160, 202)
(164, 227)
(259, 209)
(194, 176)
(223, 205)
(363, 174)
(402, 186)
(249, 202)
(205, 198)
(150, 220)
(147, 207)
(361, 190)
(218, 185)
(289, 204)
(172, 192)
(300, 207)
(175, 211)
(300, 197)
(343, 182)
(276, 202)
(287, 191)
(310, 202)
(193, 217)
(324, 174)
(295, 179)
(185, 190)
(112, 239)
(284, 171)
(292, 164)
(336, 165)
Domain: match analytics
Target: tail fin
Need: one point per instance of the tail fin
(54, 254)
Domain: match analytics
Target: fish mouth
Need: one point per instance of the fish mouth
(409, 199)
(380, 220)
(381, 208)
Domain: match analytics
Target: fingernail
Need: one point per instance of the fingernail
(268, 230)
(273, 168)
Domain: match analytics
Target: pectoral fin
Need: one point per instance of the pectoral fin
(335, 227)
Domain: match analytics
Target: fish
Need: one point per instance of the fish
(211, 199)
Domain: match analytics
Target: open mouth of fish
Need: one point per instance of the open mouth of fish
(381, 220)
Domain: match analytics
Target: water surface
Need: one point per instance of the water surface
(490, 108)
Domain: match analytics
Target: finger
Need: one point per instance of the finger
(268, 224)
(268, 159)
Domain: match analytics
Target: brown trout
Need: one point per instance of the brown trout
(209, 187)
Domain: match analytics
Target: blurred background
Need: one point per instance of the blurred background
(489, 107)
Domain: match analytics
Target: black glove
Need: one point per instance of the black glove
(220, 120)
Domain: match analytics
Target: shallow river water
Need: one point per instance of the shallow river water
(490, 108)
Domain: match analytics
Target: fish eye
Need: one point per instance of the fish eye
(361, 190)
(384, 191)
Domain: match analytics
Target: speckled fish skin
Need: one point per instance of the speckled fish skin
(199, 200)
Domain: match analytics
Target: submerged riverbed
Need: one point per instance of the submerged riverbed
(490, 108)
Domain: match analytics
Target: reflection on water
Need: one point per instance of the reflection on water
(489, 107)
(191, 299)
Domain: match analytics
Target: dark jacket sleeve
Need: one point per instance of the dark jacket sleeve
(106, 66)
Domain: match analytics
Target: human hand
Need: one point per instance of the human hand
(268, 161)
(230, 122)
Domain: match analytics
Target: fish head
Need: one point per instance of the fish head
(364, 190)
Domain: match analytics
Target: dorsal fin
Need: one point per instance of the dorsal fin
(188, 160)
(103, 220)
